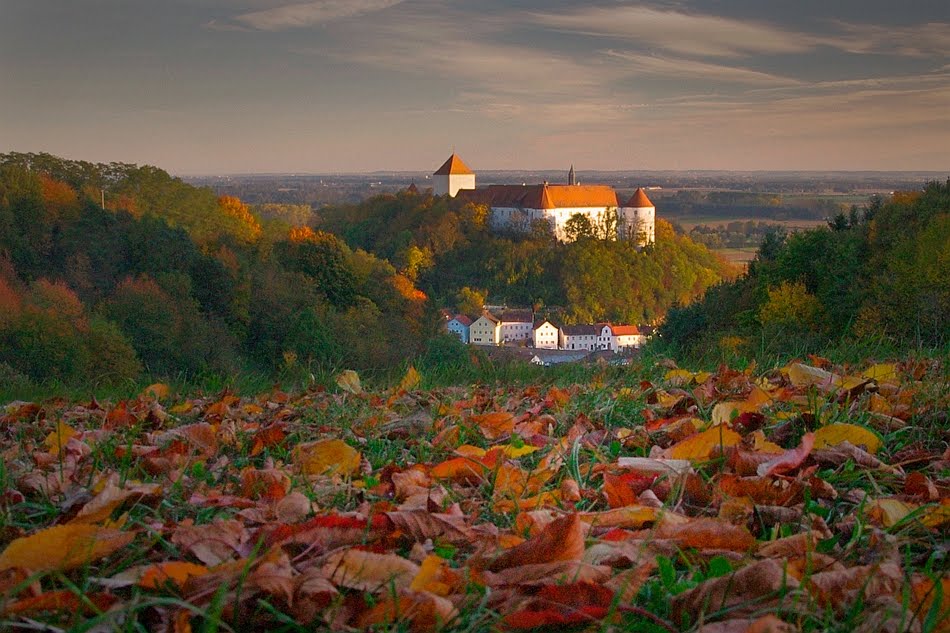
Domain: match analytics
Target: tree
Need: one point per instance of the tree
(577, 227)
(471, 301)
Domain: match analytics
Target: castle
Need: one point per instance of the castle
(518, 207)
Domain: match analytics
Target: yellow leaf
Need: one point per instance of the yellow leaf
(349, 381)
(834, 434)
(678, 376)
(666, 400)
(158, 390)
(937, 515)
(701, 376)
(428, 577)
(184, 407)
(411, 380)
(327, 457)
(889, 511)
(56, 440)
(519, 451)
(883, 372)
(63, 547)
(699, 447)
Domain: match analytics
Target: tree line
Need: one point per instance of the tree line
(167, 279)
(877, 273)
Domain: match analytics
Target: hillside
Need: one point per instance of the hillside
(445, 245)
(169, 280)
(877, 274)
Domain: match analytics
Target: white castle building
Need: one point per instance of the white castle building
(517, 207)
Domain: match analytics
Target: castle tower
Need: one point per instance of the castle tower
(452, 176)
(639, 218)
(571, 179)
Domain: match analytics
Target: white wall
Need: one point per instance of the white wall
(643, 220)
(451, 183)
(546, 337)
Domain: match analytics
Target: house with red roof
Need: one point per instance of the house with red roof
(460, 325)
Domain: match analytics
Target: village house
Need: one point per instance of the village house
(485, 330)
(619, 338)
(545, 335)
(460, 325)
(518, 207)
(573, 337)
(515, 325)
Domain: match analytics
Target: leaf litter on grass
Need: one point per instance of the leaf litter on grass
(773, 502)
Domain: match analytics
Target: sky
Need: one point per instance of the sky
(271, 86)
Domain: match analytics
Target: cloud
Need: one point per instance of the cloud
(309, 13)
(922, 40)
(679, 68)
(683, 33)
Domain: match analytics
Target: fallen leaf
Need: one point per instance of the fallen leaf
(411, 380)
(369, 571)
(833, 434)
(327, 457)
(172, 572)
(562, 539)
(700, 446)
(349, 381)
(752, 588)
(789, 460)
(63, 547)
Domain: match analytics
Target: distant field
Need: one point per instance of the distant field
(688, 222)
(738, 256)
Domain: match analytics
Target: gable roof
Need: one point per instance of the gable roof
(543, 323)
(639, 199)
(488, 315)
(412, 188)
(624, 330)
(453, 165)
(580, 330)
(516, 316)
(461, 318)
(544, 196)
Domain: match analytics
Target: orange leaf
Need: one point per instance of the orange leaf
(62, 600)
(561, 539)
(327, 457)
(461, 469)
(700, 446)
(175, 572)
(495, 425)
(789, 460)
(708, 534)
(63, 547)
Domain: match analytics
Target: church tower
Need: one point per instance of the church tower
(452, 176)
(571, 179)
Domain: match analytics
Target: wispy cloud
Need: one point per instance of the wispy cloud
(684, 33)
(643, 64)
(920, 40)
(309, 14)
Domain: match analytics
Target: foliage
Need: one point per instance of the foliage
(878, 273)
(797, 497)
(162, 279)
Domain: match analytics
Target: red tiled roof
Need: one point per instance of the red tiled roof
(464, 320)
(453, 165)
(639, 199)
(544, 196)
(624, 330)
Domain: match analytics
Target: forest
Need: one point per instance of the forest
(875, 274)
(445, 246)
(114, 272)
(170, 280)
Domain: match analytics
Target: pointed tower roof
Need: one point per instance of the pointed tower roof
(412, 188)
(571, 179)
(639, 199)
(453, 165)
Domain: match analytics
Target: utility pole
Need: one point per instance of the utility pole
(102, 193)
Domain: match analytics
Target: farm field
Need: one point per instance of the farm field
(804, 497)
